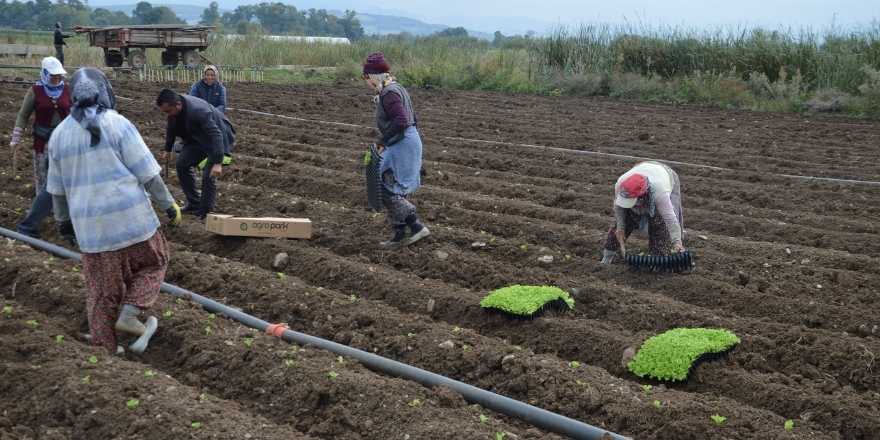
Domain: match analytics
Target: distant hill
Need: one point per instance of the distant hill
(390, 24)
(373, 24)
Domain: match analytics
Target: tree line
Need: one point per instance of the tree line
(283, 19)
(271, 18)
(43, 14)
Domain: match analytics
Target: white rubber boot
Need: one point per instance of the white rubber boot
(418, 236)
(128, 321)
(142, 342)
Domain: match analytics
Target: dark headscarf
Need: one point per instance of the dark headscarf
(376, 64)
(91, 95)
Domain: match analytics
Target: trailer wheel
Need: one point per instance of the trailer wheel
(191, 58)
(137, 58)
(170, 58)
(113, 58)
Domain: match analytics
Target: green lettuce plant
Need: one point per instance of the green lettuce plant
(525, 300)
(670, 355)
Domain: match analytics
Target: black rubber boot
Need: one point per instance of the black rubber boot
(414, 224)
(397, 239)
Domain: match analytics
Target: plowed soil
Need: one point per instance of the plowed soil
(790, 265)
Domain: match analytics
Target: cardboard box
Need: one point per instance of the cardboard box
(224, 224)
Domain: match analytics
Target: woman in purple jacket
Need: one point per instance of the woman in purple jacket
(401, 147)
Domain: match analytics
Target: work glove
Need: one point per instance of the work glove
(174, 215)
(65, 229)
(16, 136)
(227, 160)
(608, 256)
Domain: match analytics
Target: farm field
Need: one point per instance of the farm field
(791, 266)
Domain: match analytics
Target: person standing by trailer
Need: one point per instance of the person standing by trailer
(208, 138)
(49, 100)
(210, 88)
(59, 42)
(647, 198)
(401, 148)
(100, 174)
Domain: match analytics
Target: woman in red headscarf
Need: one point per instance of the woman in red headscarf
(401, 147)
(648, 198)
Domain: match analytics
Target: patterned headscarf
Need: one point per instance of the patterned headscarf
(91, 96)
(45, 81)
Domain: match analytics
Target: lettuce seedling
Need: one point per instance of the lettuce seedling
(646, 388)
(248, 342)
(415, 403)
(196, 425)
(7, 310)
(719, 420)
(332, 375)
(93, 359)
(574, 364)
(483, 419)
(168, 314)
(33, 323)
(133, 403)
(59, 339)
(526, 300)
(670, 355)
(658, 404)
(87, 379)
(789, 425)
(149, 373)
(500, 435)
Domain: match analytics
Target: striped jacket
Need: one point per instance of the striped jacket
(104, 184)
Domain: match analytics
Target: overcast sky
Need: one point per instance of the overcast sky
(486, 15)
(518, 16)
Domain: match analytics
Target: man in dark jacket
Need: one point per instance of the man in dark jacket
(207, 136)
(59, 42)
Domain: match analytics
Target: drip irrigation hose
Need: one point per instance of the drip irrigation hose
(538, 417)
(679, 262)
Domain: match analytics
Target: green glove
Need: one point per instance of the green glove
(174, 215)
(226, 161)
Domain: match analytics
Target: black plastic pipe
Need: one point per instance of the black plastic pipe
(541, 418)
